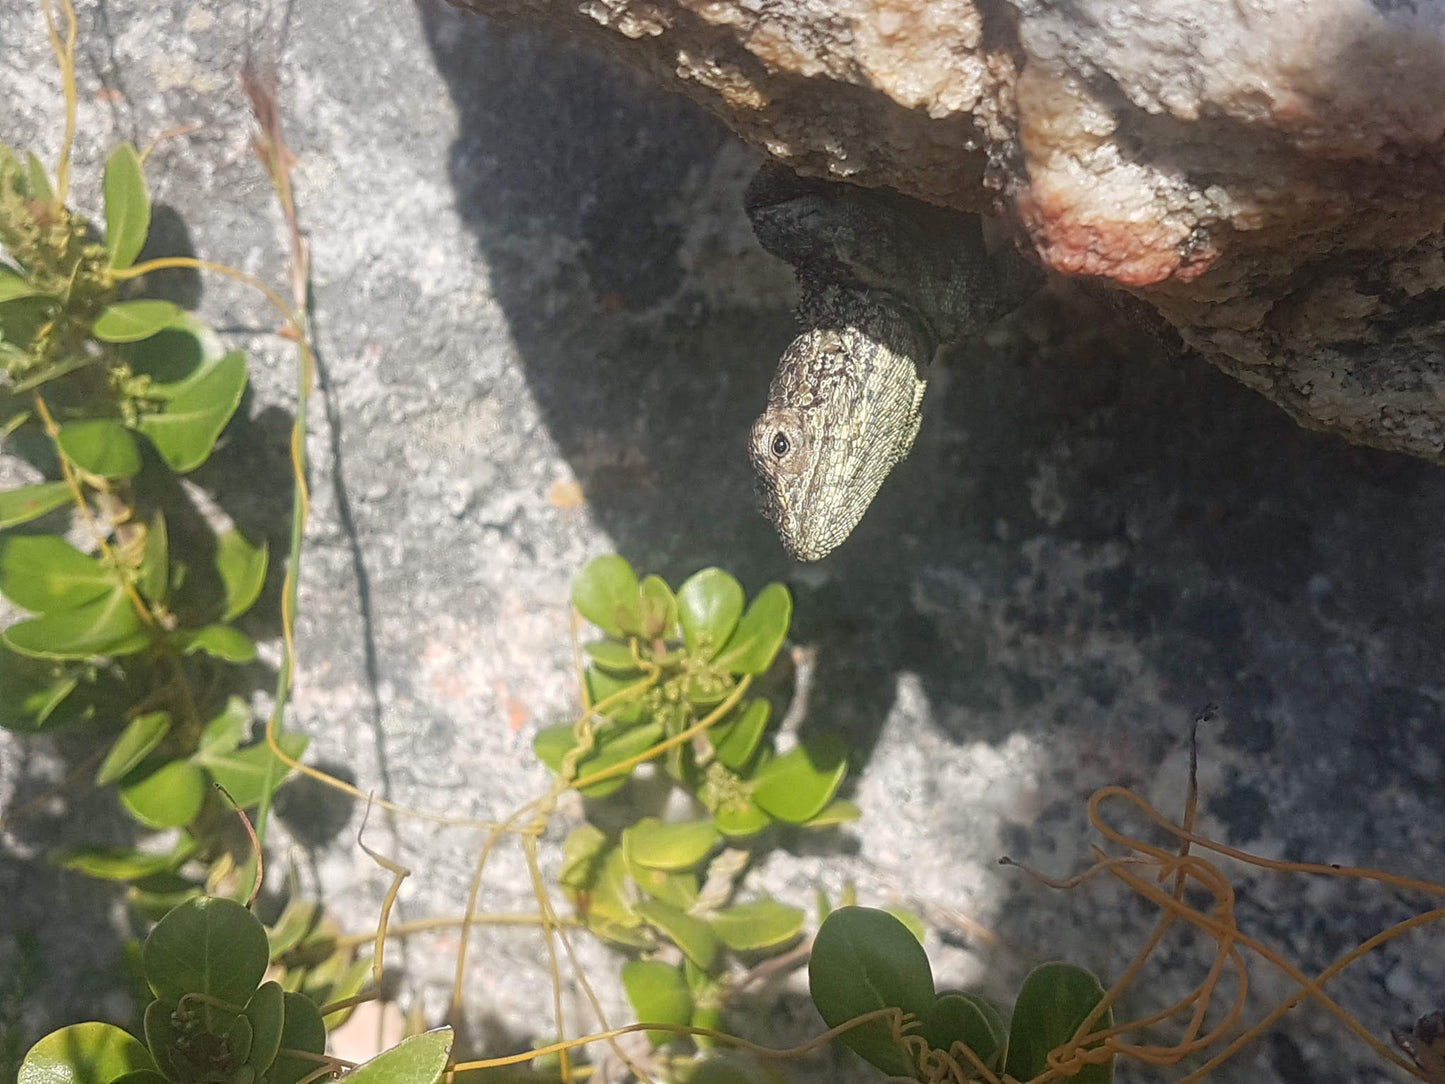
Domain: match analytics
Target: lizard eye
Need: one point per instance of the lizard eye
(781, 445)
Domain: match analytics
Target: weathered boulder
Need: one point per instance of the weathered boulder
(1268, 174)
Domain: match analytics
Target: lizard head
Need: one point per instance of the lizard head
(843, 409)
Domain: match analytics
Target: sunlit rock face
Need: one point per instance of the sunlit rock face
(1268, 175)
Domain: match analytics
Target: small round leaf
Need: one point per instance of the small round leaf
(758, 925)
(864, 960)
(751, 648)
(612, 655)
(91, 1053)
(141, 735)
(302, 1030)
(186, 428)
(798, 785)
(956, 1017)
(209, 946)
(709, 604)
(1052, 1003)
(739, 820)
(104, 626)
(687, 932)
(418, 1060)
(21, 505)
(657, 607)
(44, 573)
(127, 206)
(131, 321)
(242, 568)
(101, 447)
(659, 995)
(605, 593)
(659, 845)
(246, 772)
(168, 797)
(735, 741)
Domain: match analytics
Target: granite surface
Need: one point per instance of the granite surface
(534, 283)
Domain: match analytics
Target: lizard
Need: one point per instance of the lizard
(887, 283)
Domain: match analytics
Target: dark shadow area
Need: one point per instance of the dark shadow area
(1092, 540)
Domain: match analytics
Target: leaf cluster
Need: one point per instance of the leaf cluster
(132, 637)
(866, 960)
(213, 1020)
(667, 684)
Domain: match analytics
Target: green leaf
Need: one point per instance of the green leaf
(21, 505)
(582, 856)
(153, 576)
(609, 899)
(90, 1053)
(709, 604)
(141, 735)
(689, 933)
(141, 1076)
(13, 286)
(210, 946)
(956, 1017)
(22, 318)
(864, 960)
(226, 730)
(836, 813)
(659, 995)
(657, 608)
(32, 692)
(758, 925)
(738, 820)
(102, 447)
(170, 796)
(173, 355)
(1052, 1003)
(799, 785)
(912, 921)
(152, 897)
(242, 568)
(44, 573)
(612, 655)
(220, 641)
(238, 1039)
(127, 206)
(39, 180)
(752, 647)
(300, 919)
(105, 626)
(186, 429)
(301, 1030)
(735, 741)
(418, 1060)
(678, 889)
(657, 845)
(120, 863)
(601, 686)
(131, 321)
(243, 773)
(347, 985)
(611, 746)
(605, 593)
(162, 1035)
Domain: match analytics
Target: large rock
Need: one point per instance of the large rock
(1267, 174)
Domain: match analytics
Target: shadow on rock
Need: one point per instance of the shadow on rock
(1091, 541)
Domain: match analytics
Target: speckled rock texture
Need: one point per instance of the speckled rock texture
(545, 328)
(1267, 174)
